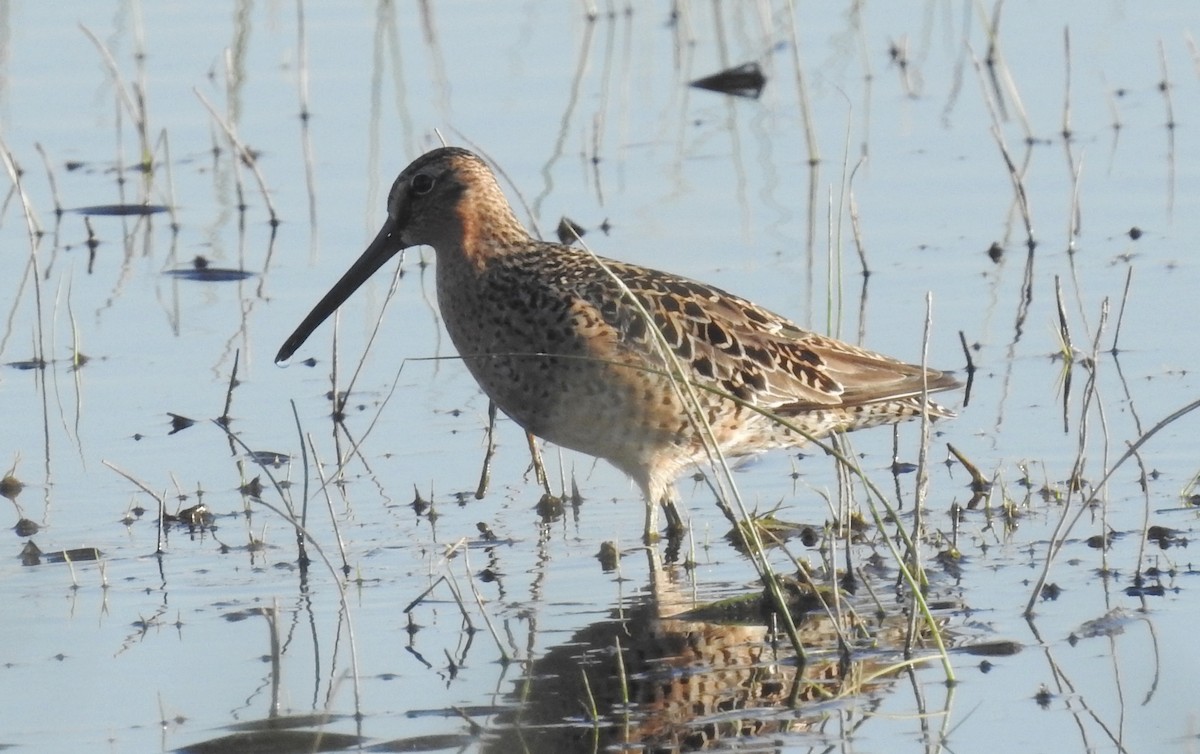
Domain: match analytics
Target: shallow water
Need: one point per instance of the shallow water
(591, 120)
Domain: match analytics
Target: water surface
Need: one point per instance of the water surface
(590, 119)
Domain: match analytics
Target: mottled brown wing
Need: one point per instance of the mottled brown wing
(751, 352)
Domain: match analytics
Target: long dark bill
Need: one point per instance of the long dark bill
(383, 248)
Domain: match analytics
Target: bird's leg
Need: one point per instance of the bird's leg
(650, 534)
(485, 474)
(539, 470)
(675, 525)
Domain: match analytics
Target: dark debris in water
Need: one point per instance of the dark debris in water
(10, 487)
(550, 508)
(774, 531)
(202, 271)
(951, 562)
(419, 504)
(1162, 536)
(32, 555)
(285, 722)
(121, 210)
(746, 80)
(433, 742)
(197, 515)
(1043, 697)
(28, 364)
(179, 422)
(237, 616)
(270, 458)
(1148, 590)
(75, 362)
(997, 648)
(608, 556)
(274, 742)
(253, 488)
(211, 274)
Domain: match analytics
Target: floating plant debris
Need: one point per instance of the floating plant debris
(200, 270)
(1162, 536)
(431, 742)
(550, 508)
(32, 555)
(211, 275)
(608, 556)
(253, 488)
(121, 210)
(997, 648)
(179, 423)
(270, 457)
(746, 80)
(197, 515)
(10, 487)
(275, 741)
(28, 364)
(772, 531)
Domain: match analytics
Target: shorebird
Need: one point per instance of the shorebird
(642, 368)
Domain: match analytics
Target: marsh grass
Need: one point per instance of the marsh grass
(35, 233)
(243, 156)
(285, 510)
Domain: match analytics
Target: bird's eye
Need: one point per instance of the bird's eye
(422, 184)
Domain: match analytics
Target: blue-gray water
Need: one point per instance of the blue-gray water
(592, 120)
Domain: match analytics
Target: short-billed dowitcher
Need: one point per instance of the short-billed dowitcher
(553, 335)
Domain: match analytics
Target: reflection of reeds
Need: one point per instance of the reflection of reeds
(34, 229)
(133, 103)
(1164, 88)
(244, 156)
(451, 581)
(302, 80)
(160, 546)
(1093, 496)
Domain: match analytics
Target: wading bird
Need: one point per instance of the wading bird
(642, 368)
